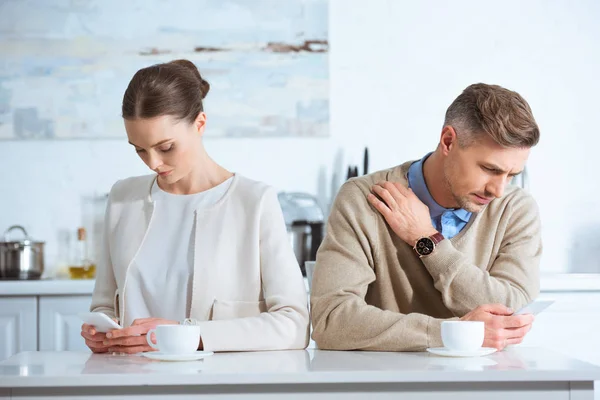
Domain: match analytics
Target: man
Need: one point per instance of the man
(443, 237)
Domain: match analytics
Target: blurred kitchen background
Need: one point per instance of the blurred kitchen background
(303, 94)
(299, 89)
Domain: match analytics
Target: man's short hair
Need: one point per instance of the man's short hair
(493, 110)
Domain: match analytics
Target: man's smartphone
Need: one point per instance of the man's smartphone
(535, 307)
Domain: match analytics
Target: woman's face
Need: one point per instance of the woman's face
(167, 146)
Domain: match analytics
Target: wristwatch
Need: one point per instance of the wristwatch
(426, 245)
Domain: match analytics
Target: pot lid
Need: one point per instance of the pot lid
(26, 241)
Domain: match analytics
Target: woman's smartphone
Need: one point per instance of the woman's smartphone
(100, 321)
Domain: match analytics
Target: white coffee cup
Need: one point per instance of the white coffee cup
(463, 335)
(175, 339)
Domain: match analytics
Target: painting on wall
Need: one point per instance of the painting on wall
(65, 65)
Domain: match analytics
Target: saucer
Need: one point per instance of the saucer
(447, 363)
(442, 351)
(159, 355)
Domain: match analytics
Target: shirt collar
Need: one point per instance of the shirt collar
(416, 181)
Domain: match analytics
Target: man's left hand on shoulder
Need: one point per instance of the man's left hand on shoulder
(403, 211)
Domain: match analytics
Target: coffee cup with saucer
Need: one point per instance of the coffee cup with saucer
(462, 339)
(175, 343)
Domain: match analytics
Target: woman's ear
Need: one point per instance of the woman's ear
(200, 123)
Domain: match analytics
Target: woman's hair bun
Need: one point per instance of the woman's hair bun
(204, 85)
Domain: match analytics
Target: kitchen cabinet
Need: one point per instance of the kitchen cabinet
(18, 325)
(59, 325)
(46, 323)
(42, 315)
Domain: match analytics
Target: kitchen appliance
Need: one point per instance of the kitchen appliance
(353, 169)
(21, 259)
(305, 224)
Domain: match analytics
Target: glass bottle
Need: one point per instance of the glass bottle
(82, 267)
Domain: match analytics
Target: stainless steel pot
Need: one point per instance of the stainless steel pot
(21, 259)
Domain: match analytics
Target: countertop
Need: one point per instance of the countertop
(570, 283)
(47, 287)
(79, 369)
(549, 284)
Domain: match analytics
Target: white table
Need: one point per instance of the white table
(527, 373)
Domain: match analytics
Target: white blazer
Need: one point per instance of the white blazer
(247, 288)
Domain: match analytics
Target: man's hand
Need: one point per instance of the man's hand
(403, 211)
(501, 327)
(133, 339)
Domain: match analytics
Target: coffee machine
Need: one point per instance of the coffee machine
(304, 221)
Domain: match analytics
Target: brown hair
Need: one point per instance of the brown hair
(491, 109)
(174, 88)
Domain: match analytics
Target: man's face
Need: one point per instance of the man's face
(478, 173)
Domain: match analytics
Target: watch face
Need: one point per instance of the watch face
(424, 246)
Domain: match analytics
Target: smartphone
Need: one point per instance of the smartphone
(535, 307)
(100, 321)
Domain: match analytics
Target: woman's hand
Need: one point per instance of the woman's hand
(133, 339)
(93, 339)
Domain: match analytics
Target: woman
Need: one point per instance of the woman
(192, 243)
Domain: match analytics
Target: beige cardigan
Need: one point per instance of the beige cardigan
(248, 290)
(371, 292)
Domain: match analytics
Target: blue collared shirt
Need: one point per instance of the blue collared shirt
(448, 221)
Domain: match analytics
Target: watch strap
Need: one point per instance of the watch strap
(437, 237)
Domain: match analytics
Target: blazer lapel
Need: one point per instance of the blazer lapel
(211, 260)
(129, 235)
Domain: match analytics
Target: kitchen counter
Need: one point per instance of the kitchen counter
(47, 287)
(570, 283)
(520, 371)
(549, 283)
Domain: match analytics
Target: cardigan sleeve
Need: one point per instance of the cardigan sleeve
(512, 280)
(105, 288)
(284, 324)
(342, 318)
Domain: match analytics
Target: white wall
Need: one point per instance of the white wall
(395, 67)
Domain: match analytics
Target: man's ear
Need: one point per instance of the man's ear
(448, 139)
